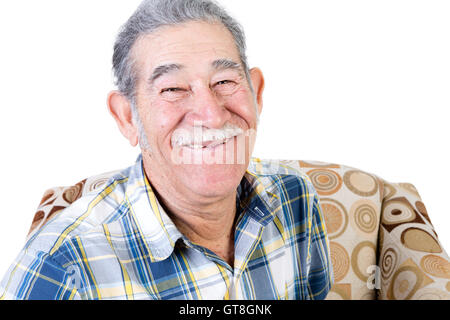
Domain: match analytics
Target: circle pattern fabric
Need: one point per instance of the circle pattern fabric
(340, 261)
(336, 217)
(325, 181)
(389, 262)
(364, 216)
(361, 183)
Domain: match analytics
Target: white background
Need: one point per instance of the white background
(360, 83)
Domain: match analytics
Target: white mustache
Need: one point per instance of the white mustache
(201, 137)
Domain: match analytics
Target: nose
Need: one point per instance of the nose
(208, 109)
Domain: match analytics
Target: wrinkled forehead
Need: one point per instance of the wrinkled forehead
(191, 44)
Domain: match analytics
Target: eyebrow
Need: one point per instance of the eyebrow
(164, 69)
(220, 64)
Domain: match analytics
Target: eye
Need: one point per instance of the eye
(171, 90)
(225, 87)
(223, 82)
(173, 93)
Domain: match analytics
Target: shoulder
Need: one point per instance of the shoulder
(286, 174)
(77, 210)
(289, 192)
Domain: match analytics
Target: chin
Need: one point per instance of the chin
(214, 180)
(212, 171)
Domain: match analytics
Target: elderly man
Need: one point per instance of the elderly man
(195, 217)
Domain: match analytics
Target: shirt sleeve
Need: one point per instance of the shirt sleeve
(37, 276)
(320, 275)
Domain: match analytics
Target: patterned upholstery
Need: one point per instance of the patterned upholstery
(382, 242)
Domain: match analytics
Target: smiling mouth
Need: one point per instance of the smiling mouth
(204, 139)
(207, 145)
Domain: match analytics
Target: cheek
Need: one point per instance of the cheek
(242, 104)
(161, 119)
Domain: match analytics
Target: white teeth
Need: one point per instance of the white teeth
(214, 144)
(199, 146)
(214, 137)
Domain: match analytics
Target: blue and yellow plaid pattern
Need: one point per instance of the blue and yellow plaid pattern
(118, 243)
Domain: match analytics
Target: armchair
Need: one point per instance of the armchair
(382, 242)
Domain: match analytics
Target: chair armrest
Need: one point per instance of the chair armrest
(54, 201)
(412, 263)
(57, 199)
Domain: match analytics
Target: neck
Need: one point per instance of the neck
(212, 229)
(209, 224)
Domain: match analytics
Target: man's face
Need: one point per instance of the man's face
(190, 80)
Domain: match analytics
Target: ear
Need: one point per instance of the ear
(120, 108)
(257, 79)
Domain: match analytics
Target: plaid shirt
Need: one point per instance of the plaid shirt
(118, 243)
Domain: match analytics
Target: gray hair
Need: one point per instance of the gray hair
(153, 14)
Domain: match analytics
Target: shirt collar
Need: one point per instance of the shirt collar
(255, 193)
(258, 195)
(158, 231)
